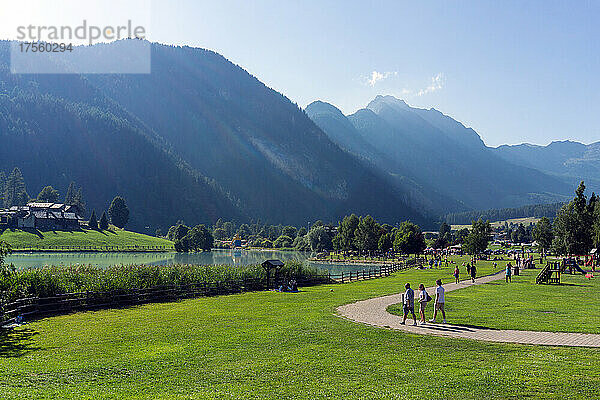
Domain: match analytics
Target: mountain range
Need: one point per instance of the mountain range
(444, 161)
(568, 160)
(196, 139)
(199, 138)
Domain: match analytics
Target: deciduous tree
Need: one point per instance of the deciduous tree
(198, 238)
(283, 241)
(344, 238)
(367, 233)
(386, 242)
(289, 231)
(48, 195)
(479, 237)
(177, 232)
(543, 234)
(319, 239)
(409, 239)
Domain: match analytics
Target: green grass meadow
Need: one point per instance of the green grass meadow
(573, 306)
(278, 345)
(20, 239)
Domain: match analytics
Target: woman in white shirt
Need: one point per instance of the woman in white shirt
(423, 299)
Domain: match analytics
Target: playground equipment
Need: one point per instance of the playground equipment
(571, 265)
(550, 273)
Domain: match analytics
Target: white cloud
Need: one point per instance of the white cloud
(437, 83)
(379, 76)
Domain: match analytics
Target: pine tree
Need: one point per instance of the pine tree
(596, 226)
(70, 196)
(15, 193)
(93, 222)
(2, 187)
(118, 212)
(79, 202)
(573, 225)
(103, 225)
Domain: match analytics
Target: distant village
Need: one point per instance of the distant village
(42, 216)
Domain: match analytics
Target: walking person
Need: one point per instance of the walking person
(473, 273)
(409, 304)
(424, 298)
(508, 273)
(439, 301)
(456, 275)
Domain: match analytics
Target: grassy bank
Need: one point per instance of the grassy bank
(276, 345)
(117, 239)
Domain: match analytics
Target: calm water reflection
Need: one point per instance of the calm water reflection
(245, 257)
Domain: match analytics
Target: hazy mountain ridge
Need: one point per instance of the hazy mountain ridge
(572, 161)
(344, 133)
(439, 153)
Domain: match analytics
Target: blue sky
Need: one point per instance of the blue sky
(515, 71)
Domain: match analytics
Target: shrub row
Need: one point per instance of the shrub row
(55, 280)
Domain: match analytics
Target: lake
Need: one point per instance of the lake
(231, 257)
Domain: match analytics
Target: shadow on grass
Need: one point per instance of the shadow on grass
(16, 343)
(574, 284)
(34, 231)
(104, 232)
(455, 328)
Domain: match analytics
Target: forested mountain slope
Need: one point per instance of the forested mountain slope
(198, 138)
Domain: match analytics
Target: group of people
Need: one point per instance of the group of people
(291, 286)
(424, 298)
(524, 262)
(437, 261)
(471, 271)
(440, 301)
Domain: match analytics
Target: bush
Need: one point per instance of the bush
(283, 241)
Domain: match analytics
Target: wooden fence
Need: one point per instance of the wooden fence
(38, 307)
(370, 273)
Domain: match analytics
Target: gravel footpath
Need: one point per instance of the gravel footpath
(374, 312)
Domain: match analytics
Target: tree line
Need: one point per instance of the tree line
(353, 233)
(537, 211)
(575, 229)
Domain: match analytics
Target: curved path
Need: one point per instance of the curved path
(374, 312)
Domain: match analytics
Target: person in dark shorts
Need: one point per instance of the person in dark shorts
(473, 273)
(409, 304)
(440, 301)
